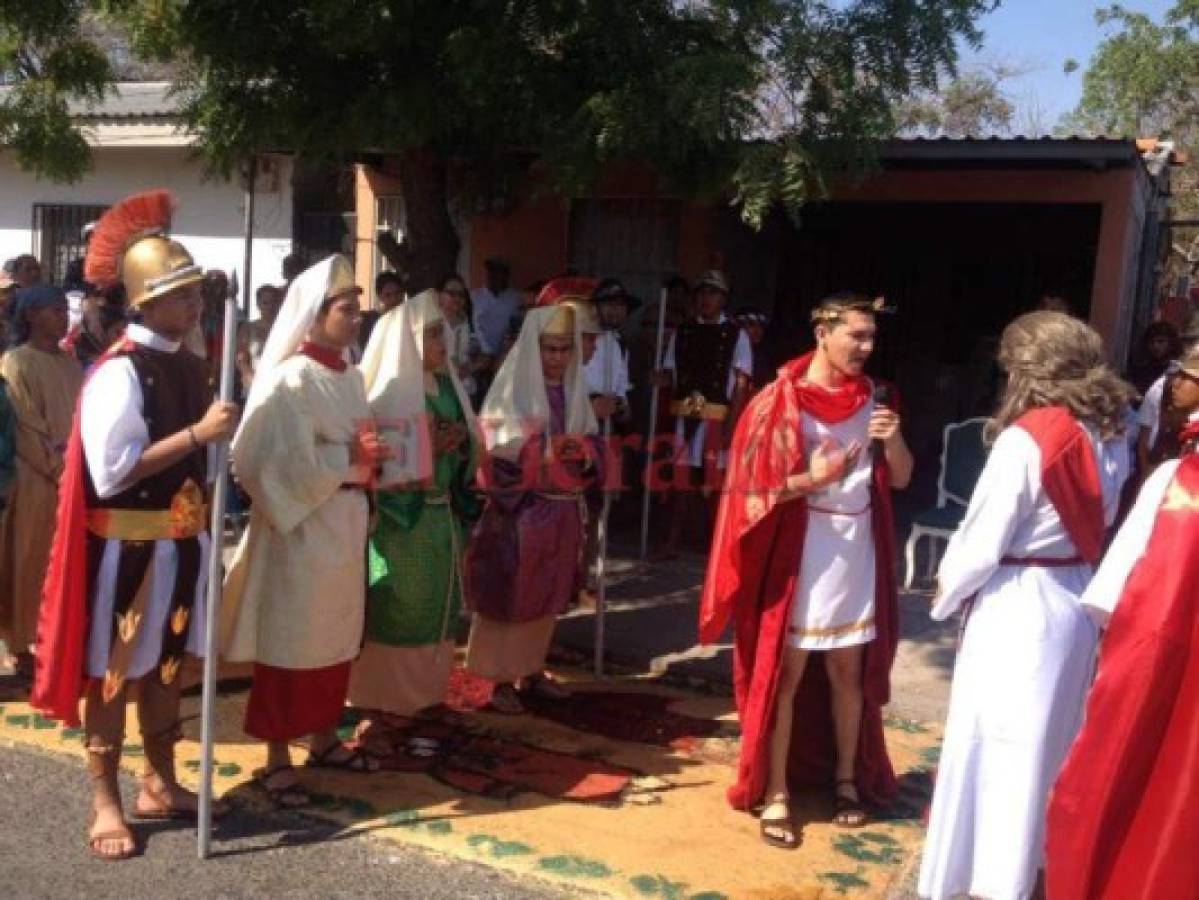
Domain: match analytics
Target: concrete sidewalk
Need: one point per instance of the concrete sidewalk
(651, 619)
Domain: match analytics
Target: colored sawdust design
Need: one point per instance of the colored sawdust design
(496, 785)
(497, 768)
(636, 717)
(626, 716)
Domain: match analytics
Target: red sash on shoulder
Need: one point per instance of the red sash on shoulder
(1070, 476)
(62, 624)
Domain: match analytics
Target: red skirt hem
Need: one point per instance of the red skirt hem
(290, 703)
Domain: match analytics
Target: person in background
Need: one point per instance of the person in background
(1159, 421)
(252, 336)
(7, 287)
(8, 446)
(74, 280)
(754, 323)
(43, 385)
(708, 363)
(389, 293)
(206, 338)
(293, 264)
(102, 323)
(26, 270)
(1160, 345)
(493, 306)
(607, 370)
(461, 343)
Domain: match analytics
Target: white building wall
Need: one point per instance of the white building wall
(209, 215)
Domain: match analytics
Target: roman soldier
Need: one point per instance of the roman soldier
(711, 361)
(123, 600)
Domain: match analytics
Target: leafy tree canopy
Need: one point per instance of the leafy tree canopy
(770, 96)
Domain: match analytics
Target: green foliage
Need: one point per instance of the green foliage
(46, 61)
(1143, 81)
(1144, 77)
(971, 105)
(771, 96)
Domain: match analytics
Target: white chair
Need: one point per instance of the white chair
(963, 455)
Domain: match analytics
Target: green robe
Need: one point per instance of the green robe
(415, 553)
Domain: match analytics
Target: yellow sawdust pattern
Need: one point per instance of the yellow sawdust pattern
(692, 837)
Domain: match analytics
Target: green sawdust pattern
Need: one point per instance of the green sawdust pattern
(844, 882)
(497, 848)
(574, 867)
(869, 847)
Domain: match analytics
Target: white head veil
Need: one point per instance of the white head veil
(517, 408)
(310, 289)
(392, 366)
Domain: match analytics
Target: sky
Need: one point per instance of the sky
(1037, 37)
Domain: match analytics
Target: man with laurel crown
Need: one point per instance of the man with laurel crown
(124, 595)
(802, 563)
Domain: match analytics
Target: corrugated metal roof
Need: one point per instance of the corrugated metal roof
(131, 100)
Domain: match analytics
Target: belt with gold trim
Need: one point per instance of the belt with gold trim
(696, 406)
(145, 524)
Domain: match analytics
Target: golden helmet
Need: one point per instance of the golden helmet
(129, 244)
(156, 265)
(562, 321)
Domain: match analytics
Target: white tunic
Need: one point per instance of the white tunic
(743, 362)
(114, 437)
(834, 595)
(295, 595)
(1025, 662)
(1130, 542)
(608, 370)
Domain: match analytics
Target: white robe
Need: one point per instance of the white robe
(1019, 685)
(834, 594)
(295, 595)
(114, 437)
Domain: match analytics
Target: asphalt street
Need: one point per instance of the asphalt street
(43, 808)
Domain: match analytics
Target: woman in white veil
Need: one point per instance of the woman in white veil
(425, 502)
(523, 563)
(306, 452)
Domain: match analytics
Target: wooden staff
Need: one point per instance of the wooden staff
(653, 421)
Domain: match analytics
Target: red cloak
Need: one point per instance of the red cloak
(1070, 476)
(752, 575)
(1122, 818)
(62, 623)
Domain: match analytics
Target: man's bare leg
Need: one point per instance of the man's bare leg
(845, 681)
(104, 730)
(791, 674)
(158, 715)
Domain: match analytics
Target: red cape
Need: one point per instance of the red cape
(63, 615)
(1070, 476)
(751, 578)
(1122, 819)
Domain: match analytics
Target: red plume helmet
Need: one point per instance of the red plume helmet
(126, 222)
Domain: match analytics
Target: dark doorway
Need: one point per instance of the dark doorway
(956, 273)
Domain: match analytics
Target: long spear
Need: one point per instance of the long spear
(216, 534)
(601, 562)
(653, 421)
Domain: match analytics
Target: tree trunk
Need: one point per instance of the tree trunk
(431, 243)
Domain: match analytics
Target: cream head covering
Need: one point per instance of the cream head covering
(517, 407)
(328, 278)
(393, 368)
